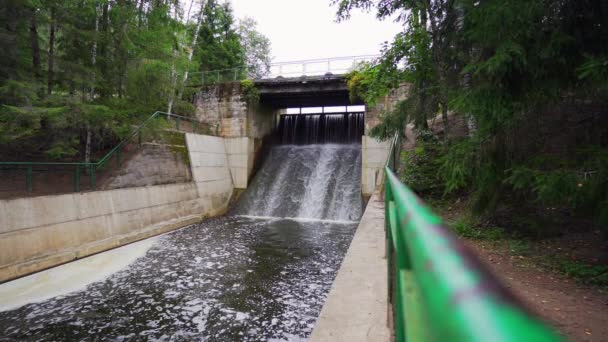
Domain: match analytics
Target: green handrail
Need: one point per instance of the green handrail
(439, 291)
(92, 167)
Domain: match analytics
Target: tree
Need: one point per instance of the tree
(219, 45)
(500, 64)
(257, 49)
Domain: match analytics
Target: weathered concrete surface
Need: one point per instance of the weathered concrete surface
(356, 308)
(373, 159)
(226, 107)
(240, 152)
(154, 164)
(384, 105)
(41, 232)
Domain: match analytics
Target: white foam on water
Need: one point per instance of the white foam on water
(297, 219)
(70, 277)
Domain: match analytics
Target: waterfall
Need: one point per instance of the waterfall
(321, 128)
(321, 181)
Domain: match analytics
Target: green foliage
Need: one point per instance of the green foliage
(420, 168)
(585, 273)
(257, 49)
(149, 85)
(466, 227)
(250, 92)
(219, 44)
(62, 149)
(73, 69)
(499, 65)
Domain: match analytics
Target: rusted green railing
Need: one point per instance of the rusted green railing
(439, 291)
(90, 169)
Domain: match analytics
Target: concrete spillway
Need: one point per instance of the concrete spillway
(321, 128)
(259, 274)
(320, 182)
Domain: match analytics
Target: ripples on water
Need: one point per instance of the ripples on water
(228, 279)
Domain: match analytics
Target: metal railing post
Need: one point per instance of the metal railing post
(177, 123)
(118, 152)
(194, 126)
(77, 179)
(28, 178)
(92, 176)
(139, 138)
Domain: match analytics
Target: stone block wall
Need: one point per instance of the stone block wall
(224, 105)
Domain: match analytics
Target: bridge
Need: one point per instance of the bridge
(305, 83)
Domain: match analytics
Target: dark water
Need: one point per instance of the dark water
(228, 279)
(321, 128)
(233, 278)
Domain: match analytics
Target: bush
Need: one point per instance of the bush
(420, 167)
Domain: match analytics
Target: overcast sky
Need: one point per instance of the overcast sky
(306, 29)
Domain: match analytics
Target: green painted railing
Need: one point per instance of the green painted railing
(200, 78)
(91, 168)
(438, 290)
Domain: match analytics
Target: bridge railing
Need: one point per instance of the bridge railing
(26, 172)
(316, 67)
(311, 67)
(438, 290)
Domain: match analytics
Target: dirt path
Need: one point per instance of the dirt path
(578, 312)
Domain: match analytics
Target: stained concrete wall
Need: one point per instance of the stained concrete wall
(384, 105)
(153, 164)
(41, 232)
(374, 154)
(240, 152)
(225, 105)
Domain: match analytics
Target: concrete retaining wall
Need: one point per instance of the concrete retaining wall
(41, 232)
(240, 152)
(373, 158)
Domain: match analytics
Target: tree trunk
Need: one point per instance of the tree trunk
(35, 45)
(51, 57)
(444, 118)
(87, 148)
(94, 53)
(199, 22)
(140, 12)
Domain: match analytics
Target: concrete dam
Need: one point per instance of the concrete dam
(260, 273)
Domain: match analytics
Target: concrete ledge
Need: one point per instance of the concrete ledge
(357, 306)
(52, 260)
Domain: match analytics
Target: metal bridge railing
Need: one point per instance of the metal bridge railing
(311, 67)
(113, 158)
(437, 289)
(315, 67)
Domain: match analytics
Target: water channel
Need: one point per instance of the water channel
(261, 273)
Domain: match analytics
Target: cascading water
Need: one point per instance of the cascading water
(310, 181)
(321, 128)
